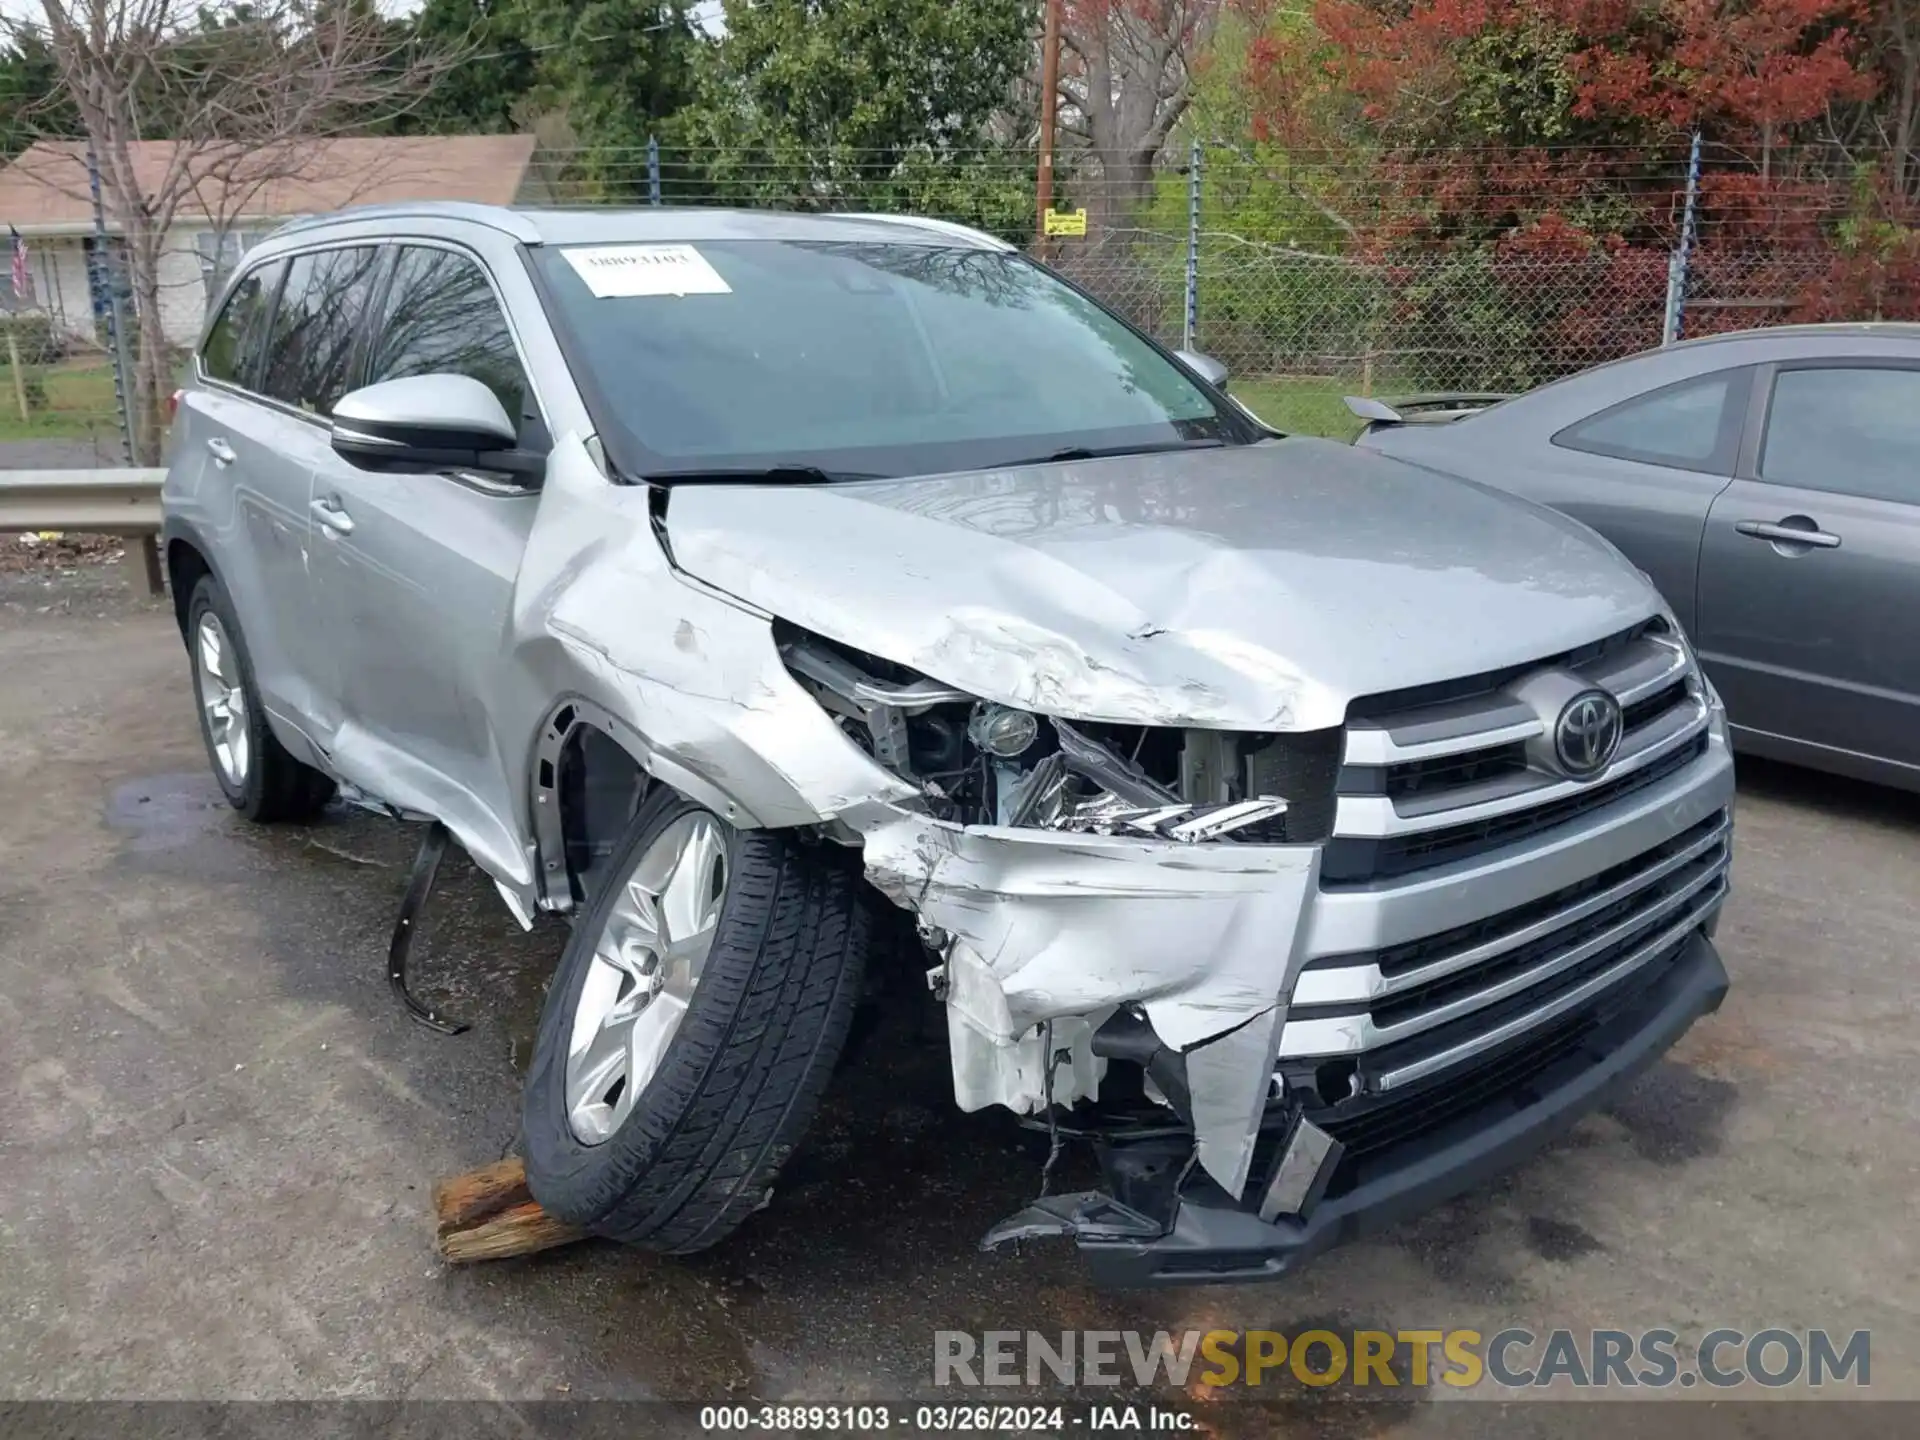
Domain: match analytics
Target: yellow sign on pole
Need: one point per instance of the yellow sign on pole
(1066, 222)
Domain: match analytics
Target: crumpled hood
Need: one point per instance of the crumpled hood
(1255, 588)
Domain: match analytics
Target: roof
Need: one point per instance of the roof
(45, 190)
(625, 225)
(1888, 329)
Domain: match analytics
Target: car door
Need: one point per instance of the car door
(1810, 569)
(230, 477)
(415, 572)
(277, 437)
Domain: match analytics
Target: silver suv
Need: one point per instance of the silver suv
(1314, 835)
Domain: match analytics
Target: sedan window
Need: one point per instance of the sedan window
(1688, 426)
(1851, 430)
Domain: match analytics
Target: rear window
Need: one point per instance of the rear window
(1693, 425)
(232, 346)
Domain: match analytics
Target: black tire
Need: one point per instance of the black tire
(276, 786)
(740, 1080)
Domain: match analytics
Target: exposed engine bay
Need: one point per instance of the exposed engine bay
(977, 762)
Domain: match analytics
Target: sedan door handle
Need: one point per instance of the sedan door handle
(1810, 534)
(221, 451)
(329, 514)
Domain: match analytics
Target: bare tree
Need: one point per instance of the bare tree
(1127, 84)
(246, 94)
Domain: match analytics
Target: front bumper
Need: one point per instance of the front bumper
(1216, 1241)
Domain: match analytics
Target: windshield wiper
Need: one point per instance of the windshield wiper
(780, 474)
(1103, 452)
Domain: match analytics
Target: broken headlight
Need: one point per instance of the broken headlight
(980, 762)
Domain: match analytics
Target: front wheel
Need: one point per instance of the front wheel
(692, 1025)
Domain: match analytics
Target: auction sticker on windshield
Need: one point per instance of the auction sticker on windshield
(619, 270)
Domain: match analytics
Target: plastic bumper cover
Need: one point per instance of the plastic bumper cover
(1215, 1241)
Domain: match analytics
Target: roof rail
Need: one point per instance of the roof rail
(495, 217)
(939, 227)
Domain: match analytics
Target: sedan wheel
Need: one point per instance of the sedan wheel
(641, 977)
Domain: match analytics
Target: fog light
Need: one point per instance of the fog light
(1003, 732)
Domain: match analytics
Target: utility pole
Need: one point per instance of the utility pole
(1049, 104)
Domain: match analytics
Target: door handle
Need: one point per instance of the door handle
(221, 451)
(329, 514)
(1810, 534)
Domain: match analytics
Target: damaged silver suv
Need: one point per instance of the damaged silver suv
(1317, 834)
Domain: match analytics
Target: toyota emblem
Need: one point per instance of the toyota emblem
(1587, 733)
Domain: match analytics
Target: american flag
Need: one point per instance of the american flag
(22, 276)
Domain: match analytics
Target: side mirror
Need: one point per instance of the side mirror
(427, 423)
(1205, 366)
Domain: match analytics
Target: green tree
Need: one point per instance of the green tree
(621, 70)
(880, 102)
(33, 103)
(484, 93)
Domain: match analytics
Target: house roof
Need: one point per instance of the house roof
(45, 190)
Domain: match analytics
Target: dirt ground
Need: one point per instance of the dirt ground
(218, 1130)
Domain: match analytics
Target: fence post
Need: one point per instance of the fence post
(103, 277)
(19, 380)
(1193, 246)
(1677, 264)
(653, 170)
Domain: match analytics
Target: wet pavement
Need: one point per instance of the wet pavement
(218, 1130)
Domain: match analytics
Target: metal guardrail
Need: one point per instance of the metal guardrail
(101, 502)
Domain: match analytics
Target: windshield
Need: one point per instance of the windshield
(706, 357)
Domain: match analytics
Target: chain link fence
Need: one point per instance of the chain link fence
(1310, 276)
(1315, 276)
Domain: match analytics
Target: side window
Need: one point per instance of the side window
(1693, 425)
(441, 318)
(1851, 430)
(310, 343)
(232, 348)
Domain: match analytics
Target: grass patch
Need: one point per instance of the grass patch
(1300, 404)
(78, 403)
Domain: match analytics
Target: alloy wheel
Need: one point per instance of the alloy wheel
(641, 977)
(223, 700)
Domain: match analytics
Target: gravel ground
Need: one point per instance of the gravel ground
(217, 1130)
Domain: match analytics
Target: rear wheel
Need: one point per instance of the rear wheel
(259, 778)
(691, 1027)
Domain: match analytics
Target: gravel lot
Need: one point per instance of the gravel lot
(217, 1130)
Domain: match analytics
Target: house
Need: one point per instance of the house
(44, 195)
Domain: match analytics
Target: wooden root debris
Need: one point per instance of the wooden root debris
(488, 1214)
